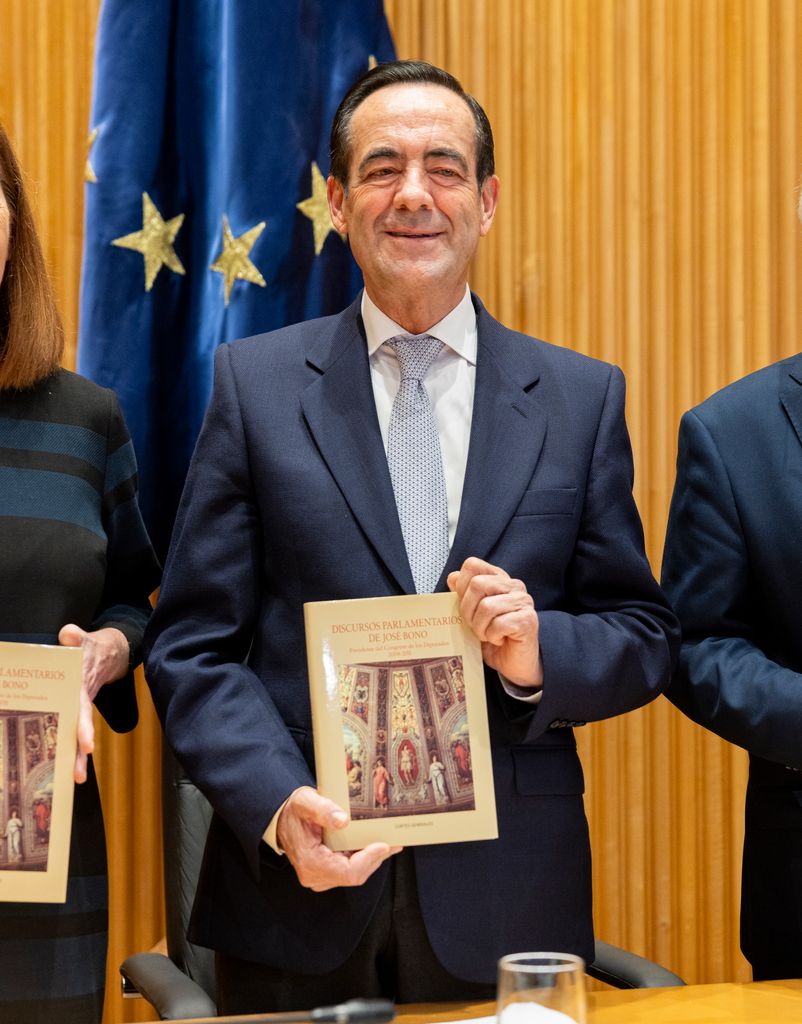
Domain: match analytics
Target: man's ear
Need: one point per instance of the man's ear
(336, 195)
(489, 197)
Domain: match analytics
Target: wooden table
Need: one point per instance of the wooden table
(766, 1002)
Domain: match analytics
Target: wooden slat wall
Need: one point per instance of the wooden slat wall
(649, 152)
(45, 92)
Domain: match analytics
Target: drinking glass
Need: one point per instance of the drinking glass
(541, 988)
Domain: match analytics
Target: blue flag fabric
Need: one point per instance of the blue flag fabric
(205, 203)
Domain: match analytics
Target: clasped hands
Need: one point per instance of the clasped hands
(105, 658)
(502, 614)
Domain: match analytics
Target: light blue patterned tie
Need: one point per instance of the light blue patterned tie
(416, 463)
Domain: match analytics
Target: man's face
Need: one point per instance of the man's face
(413, 210)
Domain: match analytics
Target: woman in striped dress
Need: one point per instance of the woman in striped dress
(77, 568)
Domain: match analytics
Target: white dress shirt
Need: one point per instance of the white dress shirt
(449, 384)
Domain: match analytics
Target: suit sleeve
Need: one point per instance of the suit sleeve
(612, 647)
(217, 715)
(724, 680)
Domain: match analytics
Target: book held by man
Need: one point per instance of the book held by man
(40, 689)
(400, 720)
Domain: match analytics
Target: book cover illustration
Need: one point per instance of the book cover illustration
(39, 697)
(400, 720)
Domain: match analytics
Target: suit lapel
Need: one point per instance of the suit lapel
(507, 434)
(341, 414)
(791, 395)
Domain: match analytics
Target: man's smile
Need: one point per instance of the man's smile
(414, 234)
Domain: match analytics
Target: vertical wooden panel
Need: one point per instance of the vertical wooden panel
(128, 769)
(44, 104)
(650, 154)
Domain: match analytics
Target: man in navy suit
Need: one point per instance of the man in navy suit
(733, 570)
(291, 497)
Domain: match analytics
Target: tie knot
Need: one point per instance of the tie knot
(416, 353)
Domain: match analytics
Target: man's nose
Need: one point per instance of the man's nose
(413, 190)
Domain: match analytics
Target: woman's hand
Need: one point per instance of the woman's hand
(106, 657)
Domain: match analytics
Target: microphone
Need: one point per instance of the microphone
(355, 1011)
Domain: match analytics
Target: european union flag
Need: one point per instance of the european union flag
(206, 214)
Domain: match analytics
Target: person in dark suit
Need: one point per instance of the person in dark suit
(295, 494)
(732, 568)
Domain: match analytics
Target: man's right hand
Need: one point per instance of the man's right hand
(299, 832)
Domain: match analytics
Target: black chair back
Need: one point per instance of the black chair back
(186, 814)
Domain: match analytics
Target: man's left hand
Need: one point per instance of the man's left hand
(502, 614)
(106, 657)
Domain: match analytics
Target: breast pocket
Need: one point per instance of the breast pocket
(549, 501)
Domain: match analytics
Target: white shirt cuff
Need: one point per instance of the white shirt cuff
(270, 834)
(523, 693)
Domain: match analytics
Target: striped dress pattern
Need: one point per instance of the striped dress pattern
(73, 548)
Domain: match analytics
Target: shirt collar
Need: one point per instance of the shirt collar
(457, 329)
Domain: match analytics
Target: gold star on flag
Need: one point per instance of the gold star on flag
(316, 208)
(371, 62)
(233, 262)
(154, 241)
(89, 171)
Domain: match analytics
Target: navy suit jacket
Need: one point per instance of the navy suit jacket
(732, 565)
(288, 500)
(733, 569)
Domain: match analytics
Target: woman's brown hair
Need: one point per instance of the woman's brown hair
(31, 333)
